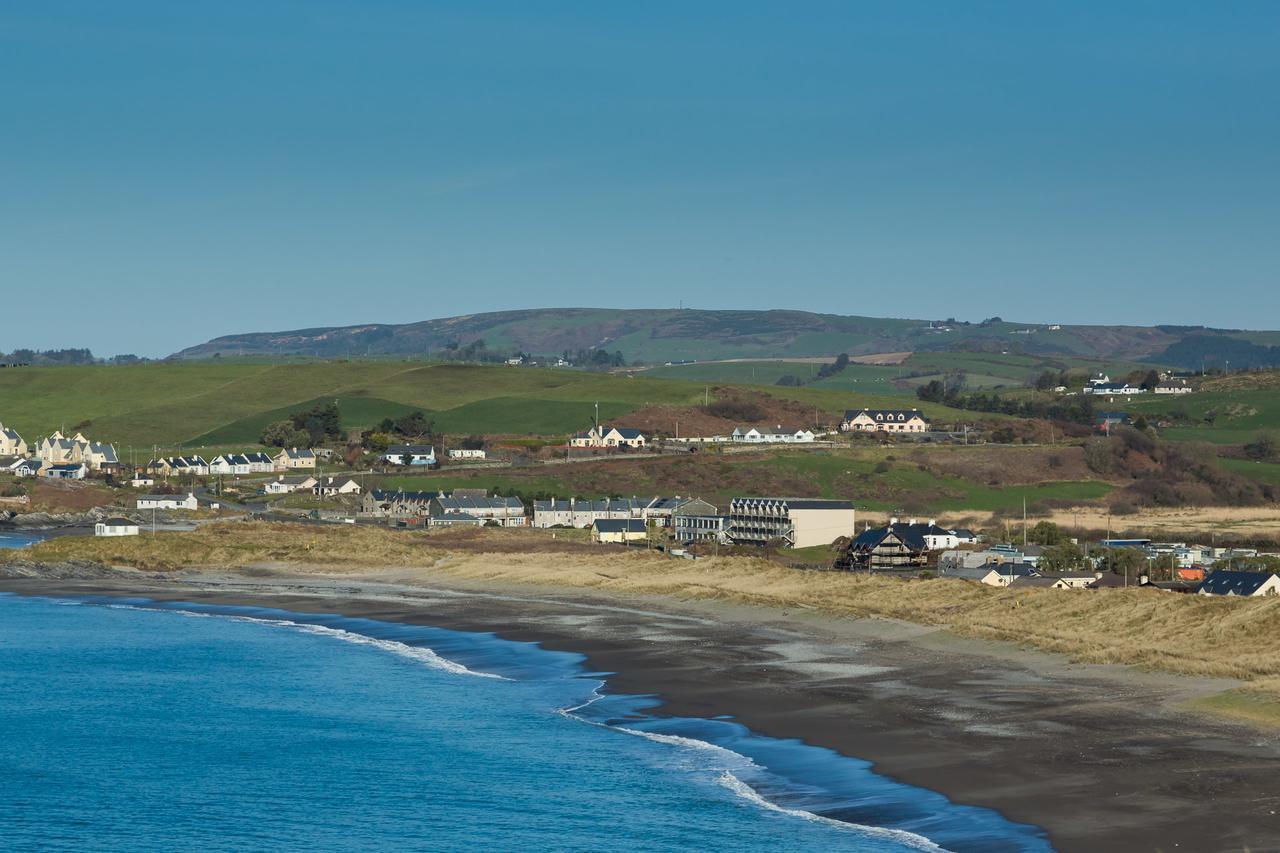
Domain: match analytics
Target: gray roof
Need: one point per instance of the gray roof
(1220, 582)
(118, 522)
(620, 525)
(797, 503)
(107, 451)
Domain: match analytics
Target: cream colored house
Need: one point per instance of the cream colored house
(57, 449)
(884, 420)
(292, 459)
(11, 444)
(606, 436)
(619, 531)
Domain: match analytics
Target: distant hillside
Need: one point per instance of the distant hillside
(652, 335)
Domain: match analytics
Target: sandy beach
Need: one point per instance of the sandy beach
(1103, 757)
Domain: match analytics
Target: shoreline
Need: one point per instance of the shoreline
(1038, 739)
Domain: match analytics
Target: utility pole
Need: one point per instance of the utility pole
(1024, 521)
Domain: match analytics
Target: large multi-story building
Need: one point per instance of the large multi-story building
(795, 522)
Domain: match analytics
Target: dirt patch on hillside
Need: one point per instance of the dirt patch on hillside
(1006, 465)
(70, 496)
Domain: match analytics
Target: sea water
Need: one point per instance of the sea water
(135, 725)
(19, 538)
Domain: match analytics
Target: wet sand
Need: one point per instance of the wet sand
(1101, 757)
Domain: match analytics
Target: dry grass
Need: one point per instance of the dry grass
(1192, 635)
(244, 543)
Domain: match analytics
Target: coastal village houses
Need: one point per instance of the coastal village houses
(582, 513)
(1222, 582)
(619, 531)
(334, 486)
(293, 459)
(884, 420)
(607, 436)
(384, 503)
(477, 504)
(11, 444)
(57, 449)
(115, 527)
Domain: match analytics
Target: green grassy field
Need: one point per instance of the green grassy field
(1263, 472)
(222, 403)
(1218, 417)
(852, 475)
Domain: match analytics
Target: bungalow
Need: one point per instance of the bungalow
(466, 453)
(456, 519)
(69, 471)
(292, 458)
(1171, 387)
(991, 574)
(619, 530)
(336, 486)
(28, 468)
(884, 420)
(1113, 389)
(115, 527)
(11, 444)
(771, 435)
(283, 485)
(1240, 583)
(410, 454)
(180, 466)
(167, 502)
(606, 436)
(141, 481)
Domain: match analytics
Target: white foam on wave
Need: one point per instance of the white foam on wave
(419, 654)
(742, 789)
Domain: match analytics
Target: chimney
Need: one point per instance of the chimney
(893, 521)
(912, 522)
(933, 522)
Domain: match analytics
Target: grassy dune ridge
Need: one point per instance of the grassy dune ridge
(1191, 635)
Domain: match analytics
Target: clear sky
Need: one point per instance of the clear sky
(173, 171)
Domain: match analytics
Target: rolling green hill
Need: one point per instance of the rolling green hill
(227, 402)
(662, 335)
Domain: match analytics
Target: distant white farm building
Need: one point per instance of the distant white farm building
(168, 502)
(466, 453)
(115, 527)
(777, 434)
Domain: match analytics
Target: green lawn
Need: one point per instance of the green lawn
(1218, 417)
(1263, 472)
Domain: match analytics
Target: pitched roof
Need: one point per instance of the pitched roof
(1223, 582)
(416, 449)
(797, 503)
(620, 525)
(118, 522)
(885, 414)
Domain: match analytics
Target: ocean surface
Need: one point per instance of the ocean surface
(19, 538)
(133, 725)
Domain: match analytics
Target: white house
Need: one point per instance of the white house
(466, 453)
(1170, 387)
(28, 468)
(233, 464)
(410, 454)
(141, 481)
(168, 502)
(260, 463)
(771, 435)
(283, 485)
(68, 471)
(115, 527)
(607, 436)
(336, 486)
(884, 420)
(619, 531)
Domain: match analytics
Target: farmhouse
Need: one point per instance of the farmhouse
(293, 458)
(884, 420)
(795, 522)
(11, 444)
(606, 436)
(619, 531)
(115, 527)
(167, 502)
(410, 454)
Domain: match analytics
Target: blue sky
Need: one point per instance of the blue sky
(174, 171)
